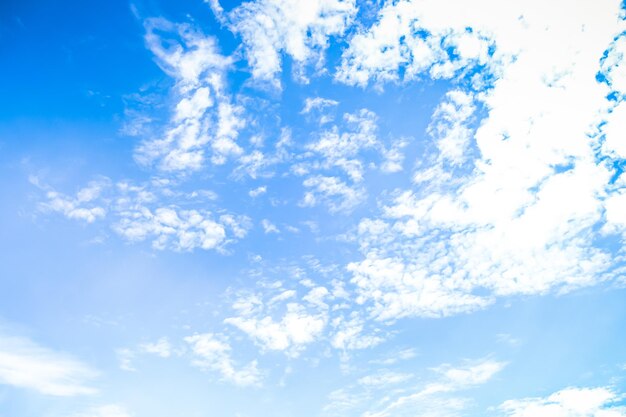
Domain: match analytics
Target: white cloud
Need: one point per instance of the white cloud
(212, 352)
(569, 402)
(337, 159)
(434, 399)
(614, 130)
(509, 205)
(398, 290)
(257, 163)
(389, 393)
(182, 230)
(449, 127)
(333, 192)
(125, 358)
(417, 37)
(257, 191)
(24, 364)
(613, 66)
(315, 103)
(204, 118)
(291, 333)
(160, 348)
(384, 379)
(136, 215)
(341, 148)
(396, 356)
(393, 157)
(269, 227)
(301, 30)
(615, 213)
(350, 335)
(86, 204)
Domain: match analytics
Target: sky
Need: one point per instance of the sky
(313, 208)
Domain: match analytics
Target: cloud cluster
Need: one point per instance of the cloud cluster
(513, 205)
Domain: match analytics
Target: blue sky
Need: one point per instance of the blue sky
(313, 208)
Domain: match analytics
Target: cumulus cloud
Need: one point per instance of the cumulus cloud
(25, 364)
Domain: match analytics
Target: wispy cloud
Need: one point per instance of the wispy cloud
(25, 364)
(574, 402)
